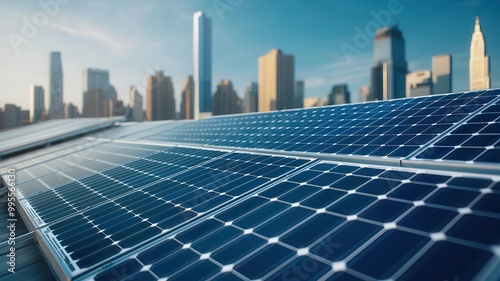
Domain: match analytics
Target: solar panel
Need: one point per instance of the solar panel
(136, 197)
(335, 221)
(476, 140)
(399, 189)
(40, 134)
(393, 128)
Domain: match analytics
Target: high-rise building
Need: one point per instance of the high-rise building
(202, 58)
(441, 74)
(276, 81)
(25, 117)
(315, 102)
(11, 116)
(187, 99)
(71, 111)
(364, 93)
(56, 107)
(298, 94)
(136, 105)
(419, 83)
(389, 69)
(479, 67)
(37, 103)
(226, 101)
(160, 102)
(339, 95)
(99, 97)
(251, 98)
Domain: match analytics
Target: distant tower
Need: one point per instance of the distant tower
(441, 74)
(276, 81)
(389, 69)
(298, 94)
(252, 98)
(96, 93)
(202, 58)
(226, 101)
(136, 104)
(419, 83)
(479, 67)
(37, 103)
(339, 95)
(187, 99)
(364, 93)
(160, 102)
(56, 106)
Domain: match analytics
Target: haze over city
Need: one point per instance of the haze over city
(131, 40)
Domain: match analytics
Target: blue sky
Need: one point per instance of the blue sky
(133, 38)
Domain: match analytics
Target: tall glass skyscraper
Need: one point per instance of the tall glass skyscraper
(37, 103)
(202, 58)
(441, 74)
(479, 67)
(56, 106)
(389, 69)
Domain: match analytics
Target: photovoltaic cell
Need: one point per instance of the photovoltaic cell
(351, 234)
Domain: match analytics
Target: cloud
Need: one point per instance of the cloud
(96, 36)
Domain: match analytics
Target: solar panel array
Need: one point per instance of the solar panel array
(27, 137)
(394, 128)
(234, 201)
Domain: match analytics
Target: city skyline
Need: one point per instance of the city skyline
(321, 64)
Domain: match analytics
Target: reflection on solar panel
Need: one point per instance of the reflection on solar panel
(348, 192)
(14, 141)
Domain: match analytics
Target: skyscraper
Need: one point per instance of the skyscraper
(276, 81)
(364, 93)
(202, 58)
(96, 93)
(187, 99)
(388, 74)
(226, 101)
(339, 95)
(298, 94)
(11, 116)
(251, 98)
(71, 111)
(37, 103)
(441, 74)
(160, 102)
(418, 83)
(479, 67)
(56, 107)
(135, 105)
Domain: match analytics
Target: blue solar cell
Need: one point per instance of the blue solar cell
(428, 219)
(411, 191)
(302, 268)
(477, 228)
(308, 232)
(448, 261)
(262, 262)
(383, 257)
(338, 245)
(385, 210)
(452, 197)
